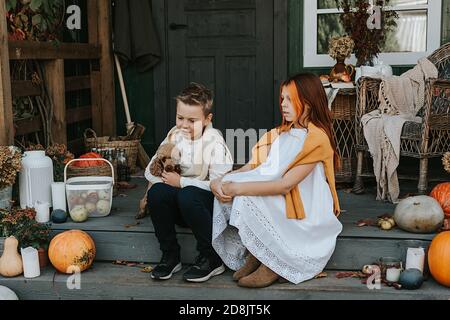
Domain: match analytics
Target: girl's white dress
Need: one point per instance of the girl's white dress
(297, 250)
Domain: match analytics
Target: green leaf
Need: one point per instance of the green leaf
(11, 4)
(35, 4)
(37, 19)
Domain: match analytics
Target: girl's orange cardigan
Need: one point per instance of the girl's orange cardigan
(317, 148)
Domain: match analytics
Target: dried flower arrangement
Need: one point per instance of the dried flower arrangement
(10, 165)
(36, 20)
(21, 224)
(59, 155)
(446, 161)
(341, 47)
(368, 43)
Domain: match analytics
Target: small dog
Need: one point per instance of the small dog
(167, 159)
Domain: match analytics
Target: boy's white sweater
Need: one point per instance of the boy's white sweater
(202, 160)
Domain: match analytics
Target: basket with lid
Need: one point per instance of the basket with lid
(90, 195)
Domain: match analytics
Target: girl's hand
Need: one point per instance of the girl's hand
(216, 188)
(172, 179)
(230, 189)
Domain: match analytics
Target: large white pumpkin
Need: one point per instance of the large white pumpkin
(421, 214)
(7, 294)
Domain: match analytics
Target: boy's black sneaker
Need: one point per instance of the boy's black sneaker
(169, 264)
(203, 270)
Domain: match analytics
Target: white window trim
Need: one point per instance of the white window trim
(312, 59)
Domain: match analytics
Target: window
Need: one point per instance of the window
(417, 34)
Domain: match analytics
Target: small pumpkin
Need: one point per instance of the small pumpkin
(439, 258)
(11, 261)
(7, 294)
(421, 214)
(74, 248)
(442, 194)
(89, 163)
(79, 213)
(411, 279)
(59, 216)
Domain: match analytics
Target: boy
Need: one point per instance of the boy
(186, 199)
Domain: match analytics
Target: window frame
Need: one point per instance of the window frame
(310, 19)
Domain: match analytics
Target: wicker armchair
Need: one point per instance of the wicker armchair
(426, 140)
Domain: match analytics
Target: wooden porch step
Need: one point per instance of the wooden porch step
(108, 281)
(121, 237)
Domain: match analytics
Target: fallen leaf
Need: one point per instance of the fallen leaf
(132, 224)
(321, 275)
(126, 185)
(366, 223)
(350, 274)
(147, 269)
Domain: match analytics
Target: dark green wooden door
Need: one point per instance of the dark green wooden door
(227, 45)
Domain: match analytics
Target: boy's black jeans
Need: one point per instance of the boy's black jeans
(188, 207)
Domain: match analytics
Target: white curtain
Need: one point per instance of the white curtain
(412, 31)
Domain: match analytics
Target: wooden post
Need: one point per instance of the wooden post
(96, 88)
(6, 113)
(108, 107)
(54, 78)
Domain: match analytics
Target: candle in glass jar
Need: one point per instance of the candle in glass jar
(415, 258)
(30, 259)
(59, 196)
(393, 274)
(42, 211)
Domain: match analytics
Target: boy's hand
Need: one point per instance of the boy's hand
(172, 179)
(216, 188)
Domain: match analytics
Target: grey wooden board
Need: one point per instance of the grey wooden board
(121, 237)
(350, 253)
(356, 208)
(107, 281)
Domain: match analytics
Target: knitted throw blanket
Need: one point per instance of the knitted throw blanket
(400, 98)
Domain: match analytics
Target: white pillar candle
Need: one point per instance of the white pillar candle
(415, 258)
(59, 196)
(393, 274)
(30, 259)
(42, 211)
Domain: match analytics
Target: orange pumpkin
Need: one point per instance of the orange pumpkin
(439, 258)
(89, 163)
(442, 194)
(74, 248)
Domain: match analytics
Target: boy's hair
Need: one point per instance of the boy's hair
(197, 94)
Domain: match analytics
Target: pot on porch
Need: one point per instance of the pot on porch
(5, 198)
(43, 257)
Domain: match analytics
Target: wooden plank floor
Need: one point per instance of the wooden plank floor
(355, 207)
(108, 281)
(121, 237)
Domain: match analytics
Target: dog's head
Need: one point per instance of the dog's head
(167, 159)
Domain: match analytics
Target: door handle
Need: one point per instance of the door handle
(175, 26)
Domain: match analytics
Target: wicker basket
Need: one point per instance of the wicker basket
(131, 147)
(73, 172)
(102, 171)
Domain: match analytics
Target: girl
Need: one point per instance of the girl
(186, 199)
(280, 209)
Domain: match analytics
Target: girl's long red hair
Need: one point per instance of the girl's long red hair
(307, 89)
